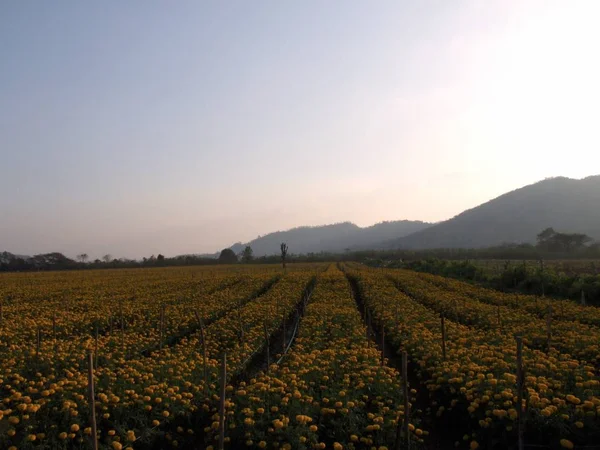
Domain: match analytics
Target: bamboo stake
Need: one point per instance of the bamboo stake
(241, 324)
(96, 348)
(222, 402)
(549, 326)
(543, 276)
(162, 326)
(122, 335)
(406, 402)
(284, 335)
(443, 338)
(382, 345)
(499, 318)
(92, 400)
(203, 336)
(267, 344)
(38, 342)
(520, 382)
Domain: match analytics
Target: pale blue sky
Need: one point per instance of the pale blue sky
(134, 128)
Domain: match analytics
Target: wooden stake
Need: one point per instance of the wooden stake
(284, 335)
(582, 298)
(222, 402)
(241, 324)
(267, 344)
(406, 399)
(382, 345)
(443, 338)
(92, 400)
(548, 326)
(499, 319)
(542, 269)
(38, 342)
(122, 335)
(96, 348)
(520, 385)
(161, 326)
(203, 336)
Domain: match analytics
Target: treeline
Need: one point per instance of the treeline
(58, 261)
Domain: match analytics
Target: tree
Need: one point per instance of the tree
(545, 236)
(565, 242)
(83, 257)
(247, 254)
(160, 259)
(107, 258)
(227, 256)
(284, 251)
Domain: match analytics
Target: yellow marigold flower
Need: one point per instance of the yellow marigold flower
(565, 443)
(474, 445)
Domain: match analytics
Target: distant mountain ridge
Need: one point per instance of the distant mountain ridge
(566, 204)
(335, 238)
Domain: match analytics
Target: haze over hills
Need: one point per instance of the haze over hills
(518, 216)
(565, 204)
(331, 238)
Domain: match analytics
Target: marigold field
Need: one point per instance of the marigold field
(313, 361)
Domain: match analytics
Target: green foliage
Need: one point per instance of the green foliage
(530, 279)
(284, 251)
(247, 255)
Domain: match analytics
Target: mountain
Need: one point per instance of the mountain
(330, 238)
(567, 205)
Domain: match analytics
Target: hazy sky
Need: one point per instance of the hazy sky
(134, 128)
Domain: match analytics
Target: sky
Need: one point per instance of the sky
(145, 127)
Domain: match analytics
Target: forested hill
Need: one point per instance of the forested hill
(331, 238)
(516, 217)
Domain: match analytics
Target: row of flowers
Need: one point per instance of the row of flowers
(141, 397)
(473, 388)
(572, 338)
(331, 391)
(561, 309)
